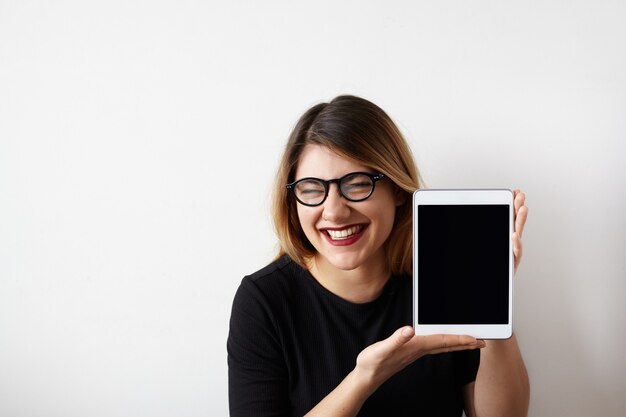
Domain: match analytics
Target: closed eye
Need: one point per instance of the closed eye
(357, 185)
(311, 191)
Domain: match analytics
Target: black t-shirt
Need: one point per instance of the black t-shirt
(291, 342)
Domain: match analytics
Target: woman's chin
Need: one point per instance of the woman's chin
(344, 262)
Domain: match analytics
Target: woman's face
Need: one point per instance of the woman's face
(367, 223)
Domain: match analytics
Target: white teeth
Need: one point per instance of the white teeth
(345, 233)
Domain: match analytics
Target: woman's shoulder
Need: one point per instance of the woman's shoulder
(283, 268)
(266, 298)
(278, 267)
(274, 279)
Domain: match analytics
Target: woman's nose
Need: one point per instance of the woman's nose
(335, 208)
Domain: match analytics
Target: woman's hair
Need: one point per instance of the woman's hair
(356, 129)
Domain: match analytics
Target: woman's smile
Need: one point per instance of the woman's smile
(344, 236)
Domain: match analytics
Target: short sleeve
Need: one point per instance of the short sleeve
(257, 376)
(466, 364)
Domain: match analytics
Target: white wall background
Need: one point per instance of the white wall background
(138, 142)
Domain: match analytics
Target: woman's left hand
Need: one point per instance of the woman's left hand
(521, 212)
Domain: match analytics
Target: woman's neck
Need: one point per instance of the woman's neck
(359, 285)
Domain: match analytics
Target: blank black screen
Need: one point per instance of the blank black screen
(463, 264)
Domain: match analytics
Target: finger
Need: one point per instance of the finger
(445, 342)
(393, 343)
(480, 344)
(403, 335)
(517, 249)
(520, 220)
(398, 339)
(518, 199)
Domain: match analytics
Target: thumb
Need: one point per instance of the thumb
(403, 335)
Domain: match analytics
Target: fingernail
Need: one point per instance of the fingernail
(478, 343)
(407, 332)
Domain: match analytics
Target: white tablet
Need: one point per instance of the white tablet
(463, 262)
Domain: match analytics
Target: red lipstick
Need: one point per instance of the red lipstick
(352, 239)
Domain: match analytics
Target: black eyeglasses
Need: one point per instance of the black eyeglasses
(355, 186)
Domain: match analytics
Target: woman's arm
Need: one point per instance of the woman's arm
(380, 361)
(501, 387)
(257, 375)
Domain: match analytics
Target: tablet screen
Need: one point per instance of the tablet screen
(463, 265)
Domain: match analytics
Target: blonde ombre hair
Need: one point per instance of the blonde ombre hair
(356, 129)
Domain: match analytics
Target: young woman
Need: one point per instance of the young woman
(325, 329)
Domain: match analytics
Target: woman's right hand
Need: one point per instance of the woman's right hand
(381, 360)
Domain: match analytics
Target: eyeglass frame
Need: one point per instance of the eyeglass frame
(326, 183)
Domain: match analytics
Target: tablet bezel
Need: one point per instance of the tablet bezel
(463, 197)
